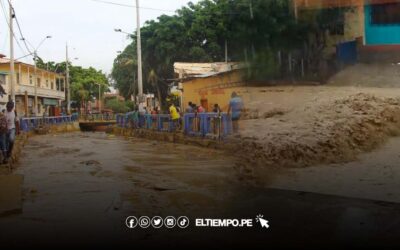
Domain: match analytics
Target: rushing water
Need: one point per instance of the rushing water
(80, 187)
(89, 179)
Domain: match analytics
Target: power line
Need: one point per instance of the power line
(9, 25)
(131, 6)
(19, 29)
(244, 4)
(22, 36)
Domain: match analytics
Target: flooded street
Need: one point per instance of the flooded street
(80, 187)
(96, 180)
(109, 170)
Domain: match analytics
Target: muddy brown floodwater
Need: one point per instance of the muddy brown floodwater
(98, 179)
(80, 187)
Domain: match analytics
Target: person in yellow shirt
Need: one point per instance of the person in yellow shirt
(175, 116)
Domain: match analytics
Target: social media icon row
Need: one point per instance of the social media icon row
(157, 222)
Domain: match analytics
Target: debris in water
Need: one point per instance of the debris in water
(90, 162)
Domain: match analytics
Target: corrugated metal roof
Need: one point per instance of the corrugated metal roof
(202, 70)
(4, 60)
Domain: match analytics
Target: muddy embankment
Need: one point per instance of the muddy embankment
(332, 132)
(23, 137)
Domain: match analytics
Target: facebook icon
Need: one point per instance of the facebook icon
(131, 222)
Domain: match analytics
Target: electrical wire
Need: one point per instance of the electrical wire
(9, 26)
(131, 6)
(19, 29)
(162, 10)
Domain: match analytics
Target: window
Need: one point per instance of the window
(52, 85)
(18, 79)
(385, 13)
(47, 83)
(62, 84)
(2, 79)
(30, 80)
(58, 84)
(38, 82)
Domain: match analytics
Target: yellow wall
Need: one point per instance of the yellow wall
(46, 89)
(353, 28)
(215, 89)
(26, 71)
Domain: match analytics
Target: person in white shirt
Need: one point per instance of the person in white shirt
(10, 136)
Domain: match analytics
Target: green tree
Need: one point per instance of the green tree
(253, 29)
(83, 81)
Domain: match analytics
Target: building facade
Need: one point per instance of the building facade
(207, 84)
(50, 89)
(369, 30)
(212, 89)
(374, 22)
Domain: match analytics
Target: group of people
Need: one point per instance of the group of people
(194, 108)
(138, 113)
(8, 126)
(235, 109)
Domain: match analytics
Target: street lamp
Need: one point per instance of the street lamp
(139, 52)
(133, 96)
(35, 110)
(67, 79)
(124, 32)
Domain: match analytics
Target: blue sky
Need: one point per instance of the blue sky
(87, 25)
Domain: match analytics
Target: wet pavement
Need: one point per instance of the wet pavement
(79, 188)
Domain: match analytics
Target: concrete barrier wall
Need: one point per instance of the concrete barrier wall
(172, 137)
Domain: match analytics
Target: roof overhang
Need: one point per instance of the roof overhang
(30, 65)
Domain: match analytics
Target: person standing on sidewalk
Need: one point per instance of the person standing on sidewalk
(10, 135)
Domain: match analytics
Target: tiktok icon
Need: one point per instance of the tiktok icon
(183, 222)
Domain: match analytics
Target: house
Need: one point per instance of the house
(50, 88)
(207, 84)
(374, 24)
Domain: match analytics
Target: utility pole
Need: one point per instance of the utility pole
(226, 51)
(67, 81)
(139, 54)
(252, 18)
(251, 10)
(35, 110)
(134, 89)
(12, 70)
(99, 98)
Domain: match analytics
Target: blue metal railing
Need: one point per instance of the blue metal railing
(29, 123)
(215, 125)
(160, 122)
(207, 124)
